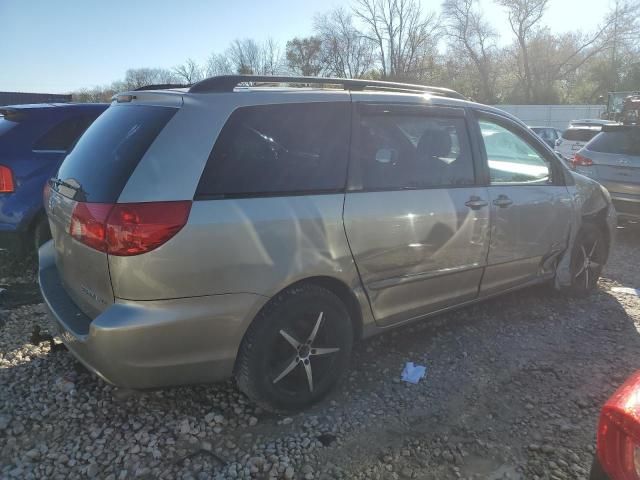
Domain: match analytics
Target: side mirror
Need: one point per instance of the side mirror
(386, 155)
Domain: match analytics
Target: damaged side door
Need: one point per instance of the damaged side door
(531, 207)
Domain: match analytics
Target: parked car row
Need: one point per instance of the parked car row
(606, 151)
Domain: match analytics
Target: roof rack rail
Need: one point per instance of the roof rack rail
(161, 86)
(227, 83)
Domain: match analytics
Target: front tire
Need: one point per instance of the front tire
(589, 254)
(295, 350)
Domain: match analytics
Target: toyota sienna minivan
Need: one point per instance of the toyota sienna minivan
(241, 228)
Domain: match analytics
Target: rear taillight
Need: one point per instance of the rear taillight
(89, 224)
(619, 432)
(581, 161)
(126, 229)
(6, 180)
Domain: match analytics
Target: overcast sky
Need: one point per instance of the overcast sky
(62, 45)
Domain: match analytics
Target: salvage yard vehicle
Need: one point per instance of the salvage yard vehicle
(549, 134)
(613, 159)
(574, 138)
(233, 228)
(34, 140)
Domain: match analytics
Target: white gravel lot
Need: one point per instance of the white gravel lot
(513, 389)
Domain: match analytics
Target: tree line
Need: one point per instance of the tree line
(457, 48)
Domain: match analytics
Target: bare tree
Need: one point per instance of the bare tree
(304, 56)
(524, 18)
(345, 51)
(249, 57)
(403, 34)
(189, 72)
(472, 37)
(218, 64)
(140, 77)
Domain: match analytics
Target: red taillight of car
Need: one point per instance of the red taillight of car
(89, 224)
(619, 432)
(135, 228)
(581, 161)
(6, 180)
(127, 229)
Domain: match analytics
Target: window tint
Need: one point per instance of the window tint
(286, 148)
(626, 142)
(6, 125)
(399, 151)
(511, 158)
(106, 155)
(579, 135)
(548, 134)
(63, 135)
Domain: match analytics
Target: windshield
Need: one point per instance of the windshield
(580, 134)
(6, 125)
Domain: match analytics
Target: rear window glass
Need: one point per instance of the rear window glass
(579, 135)
(279, 149)
(62, 136)
(106, 155)
(625, 142)
(6, 125)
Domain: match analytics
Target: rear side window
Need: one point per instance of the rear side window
(413, 151)
(279, 149)
(62, 136)
(579, 135)
(624, 142)
(106, 155)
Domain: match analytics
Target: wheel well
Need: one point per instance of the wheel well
(344, 293)
(599, 220)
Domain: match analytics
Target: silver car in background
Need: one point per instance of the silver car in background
(256, 232)
(613, 159)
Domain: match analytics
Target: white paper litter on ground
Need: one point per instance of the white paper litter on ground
(413, 373)
(627, 291)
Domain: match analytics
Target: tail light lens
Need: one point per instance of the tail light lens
(6, 180)
(126, 229)
(619, 432)
(581, 161)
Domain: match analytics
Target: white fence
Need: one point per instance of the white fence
(557, 116)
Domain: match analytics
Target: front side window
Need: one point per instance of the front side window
(412, 151)
(280, 149)
(511, 158)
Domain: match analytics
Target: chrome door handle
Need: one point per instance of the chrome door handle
(502, 201)
(476, 203)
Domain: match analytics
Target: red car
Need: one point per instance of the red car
(618, 453)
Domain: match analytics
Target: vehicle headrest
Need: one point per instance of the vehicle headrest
(435, 142)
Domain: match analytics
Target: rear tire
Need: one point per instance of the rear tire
(282, 364)
(589, 254)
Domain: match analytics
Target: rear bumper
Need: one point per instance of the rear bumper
(151, 344)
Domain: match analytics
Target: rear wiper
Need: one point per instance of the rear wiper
(57, 182)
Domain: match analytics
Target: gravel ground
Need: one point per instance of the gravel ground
(512, 391)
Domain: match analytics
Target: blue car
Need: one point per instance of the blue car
(34, 139)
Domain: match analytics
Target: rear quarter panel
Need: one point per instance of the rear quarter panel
(250, 245)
